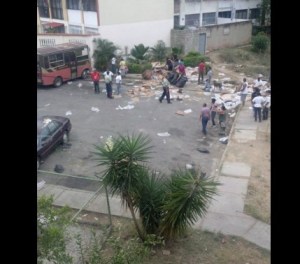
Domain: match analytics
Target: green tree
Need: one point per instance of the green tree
(187, 197)
(124, 157)
(139, 52)
(260, 42)
(103, 52)
(265, 11)
(159, 51)
(167, 207)
(51, 235)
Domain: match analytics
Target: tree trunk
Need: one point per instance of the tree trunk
(141, 234)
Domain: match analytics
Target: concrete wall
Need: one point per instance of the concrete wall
(217, 36)
(132, 22)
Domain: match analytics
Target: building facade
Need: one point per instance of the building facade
(132, 22)
(199, 13)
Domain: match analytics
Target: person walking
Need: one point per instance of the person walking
(258, 102)
(222, 119)
(108, 75)
(244, 91)
(209, 75)
(266, 106)
(204, 118)
(213, 111)
(169, 64)
(118, 82)
(201, 70)
(166, 91)
(123, 68)
(95, 75)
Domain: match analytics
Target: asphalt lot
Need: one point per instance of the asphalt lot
(148, 116)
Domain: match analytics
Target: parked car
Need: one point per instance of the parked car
(51, 131)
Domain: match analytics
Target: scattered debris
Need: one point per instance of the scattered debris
(70, 83)
(187, 111)
(59, 168)
(79, 85)
(224, 140)
(68, 113)
(164, 134)
(188, 166)
(203, 150)
(95, 109)
(180, 113)
(47, 105)
(127, 107)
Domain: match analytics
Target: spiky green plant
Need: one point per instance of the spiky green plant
(139, 52)
(103, 52)
(187, 198)
(124, 162)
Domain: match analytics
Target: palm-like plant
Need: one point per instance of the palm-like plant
(103, 52)
(187, 197)
(139, 52)
(149, 200)
(159, 51)
(123, 158)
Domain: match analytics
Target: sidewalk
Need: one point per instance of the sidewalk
(225, 214)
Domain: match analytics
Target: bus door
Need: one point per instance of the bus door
(70, 59)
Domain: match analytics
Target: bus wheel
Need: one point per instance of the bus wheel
(84, 74)
(58, 81)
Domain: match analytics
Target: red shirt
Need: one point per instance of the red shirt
(95, 76)
(201, 66)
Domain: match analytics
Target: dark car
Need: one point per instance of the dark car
(51, 131)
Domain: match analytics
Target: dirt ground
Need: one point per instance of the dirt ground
(257, 203)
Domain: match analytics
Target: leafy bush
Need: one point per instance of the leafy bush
(138, 68)
(139, 52)
(260, 43)
(193, 58)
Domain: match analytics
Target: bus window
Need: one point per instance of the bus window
(46, 63)
(56, 60)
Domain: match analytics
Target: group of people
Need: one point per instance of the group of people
(176, 72)
(261, 103)
(210, 113)
(202, 71)
(108, 79)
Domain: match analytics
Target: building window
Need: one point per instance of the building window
(56, 9)
(43, 8)
(73, 4)
(209, 18)
(254, 13)
(89, 30)
(225, 14)
(241, 14)
(75, 29)
(89, 5)
(176, 21)
(176, 6)
(192, 20)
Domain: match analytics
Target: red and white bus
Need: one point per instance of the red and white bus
(61, 63)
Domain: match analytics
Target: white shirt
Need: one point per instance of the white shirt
(245, 91)
(118, 79)
(108, 77)
(258, 101)
(258, 83)
(113, 60)
(268, 101)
